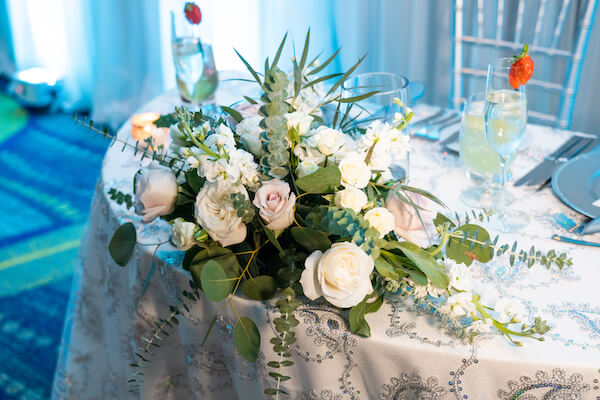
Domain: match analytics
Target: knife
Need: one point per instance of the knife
(575, 241)
(572, 153)
(548, 162)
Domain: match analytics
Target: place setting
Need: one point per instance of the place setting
(279, 201)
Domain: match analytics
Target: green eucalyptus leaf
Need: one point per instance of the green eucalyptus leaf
(234, 113)
(441, 219)
(323, 180)
(195, 181)
(222, 255)
(122, 244)
(246, 338)
(259, 288)
(215, 282)
(310, 239)
(460, 250)
(358, 323)
(423, 261)
(272, 238)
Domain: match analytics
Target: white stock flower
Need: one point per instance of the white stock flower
(222, 137)
(352, 198)
(156, 192)
(183, 234)
(299, 120)
(480, 326)
(460, 277)
(306, 167)
(388, 143)
(459, 305)
(381, 219)
(219, 170)
(275, 204)
(248, 168)
(215, 213)
(249, 131)
(424, 291)
(341, 275)
(354, 170)
(509, 310)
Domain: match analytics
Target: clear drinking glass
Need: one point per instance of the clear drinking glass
(483, 166)
(380, 106)
(505, 119)
(195, 69)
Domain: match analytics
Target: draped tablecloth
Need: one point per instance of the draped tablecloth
(408, 355)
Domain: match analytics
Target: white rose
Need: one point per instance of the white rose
(352, 198)
(275, 204)
(381, 219)
(327, 140)
(249, 130)
(354, 170)
(215, 213)
(299, 120)
(183, 234)
(459, 276)
(155, 192)
(341, 275)
(306, 167)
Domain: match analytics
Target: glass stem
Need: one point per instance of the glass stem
(503, 196)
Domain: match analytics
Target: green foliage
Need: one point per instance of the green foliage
(121, 198)
(358, 323)
(465, 251)
(221, 255)
(195, 181)
(216, 284)
(310, 239)
(286, 337)
(122, 244)
(244, 207)
(259, 288)
(233, 113)
(323, 180)
(422, 260)
(246, 338)
(166, 120)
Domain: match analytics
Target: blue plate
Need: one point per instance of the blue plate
(577, 183)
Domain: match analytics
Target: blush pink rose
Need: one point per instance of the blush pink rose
(407, 224)
(275, 204)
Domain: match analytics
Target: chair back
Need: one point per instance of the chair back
(484, 29)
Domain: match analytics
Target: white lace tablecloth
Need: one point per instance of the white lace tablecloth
(408, 355)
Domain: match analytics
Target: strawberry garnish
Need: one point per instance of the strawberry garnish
(192, 13)
(521, 69)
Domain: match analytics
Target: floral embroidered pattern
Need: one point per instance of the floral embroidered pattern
(551, 386)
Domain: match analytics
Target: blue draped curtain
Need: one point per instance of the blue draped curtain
(114, 55)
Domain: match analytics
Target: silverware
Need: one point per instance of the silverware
(429, 118)
(583, 228)
(547, 162)
(575, 241)
(580, 147)
(432, 132)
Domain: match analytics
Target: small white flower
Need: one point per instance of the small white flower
(352, 198)
(223, 136)
(299, 120)
(354, 170)
(480, 326)
(509, 310)
(459, 275)
(183, 234)
(248, 168)
(249, 131)
(219, 170)
(424, 291)
(306, 167)
(192, 162)
(381, 219)
(459, 305)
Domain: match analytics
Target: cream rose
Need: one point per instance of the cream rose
(352, 198)
(341, 275)
(299, 120)
(381, 219)
(249, 130)
(215, 213)
(155, 192)
(407, 222)
(182, 234)
(355, 171)
(327, 140)
(275, 204)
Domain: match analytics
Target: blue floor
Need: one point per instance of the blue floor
(48, 171)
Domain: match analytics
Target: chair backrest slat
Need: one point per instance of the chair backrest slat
(560, 23)
(549, 18)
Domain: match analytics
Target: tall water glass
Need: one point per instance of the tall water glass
(380, 106)
(195, 69)
(505, 119)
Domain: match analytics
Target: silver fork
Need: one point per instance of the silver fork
(592, 226)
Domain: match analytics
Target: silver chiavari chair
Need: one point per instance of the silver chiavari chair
(482, 31)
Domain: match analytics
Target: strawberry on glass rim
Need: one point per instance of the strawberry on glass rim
(192, 13)
(521, 69)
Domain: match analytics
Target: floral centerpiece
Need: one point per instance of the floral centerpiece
(286, 198)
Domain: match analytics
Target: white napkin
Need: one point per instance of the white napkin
(596, 203)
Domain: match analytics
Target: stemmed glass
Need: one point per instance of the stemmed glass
(505, 119)
(195, 69)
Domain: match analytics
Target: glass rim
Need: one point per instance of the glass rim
(501, 63)
(402, 81)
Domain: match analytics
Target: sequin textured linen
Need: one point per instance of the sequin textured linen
(408, 356)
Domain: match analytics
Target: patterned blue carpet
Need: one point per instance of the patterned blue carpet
(48, 171)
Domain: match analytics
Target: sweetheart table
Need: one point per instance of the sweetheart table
(408, 355)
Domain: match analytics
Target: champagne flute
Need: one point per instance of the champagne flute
(505, 119)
